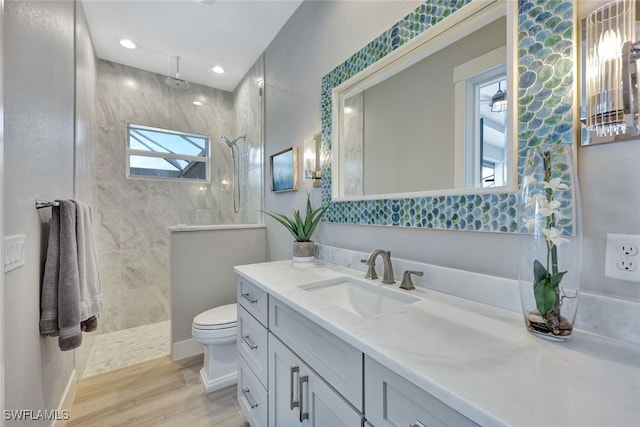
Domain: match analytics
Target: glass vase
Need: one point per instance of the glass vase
(551, 241)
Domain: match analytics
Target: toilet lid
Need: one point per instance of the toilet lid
(225, 316)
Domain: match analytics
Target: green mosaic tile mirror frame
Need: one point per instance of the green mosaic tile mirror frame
(545, 110)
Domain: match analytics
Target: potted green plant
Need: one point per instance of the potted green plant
(302, 229)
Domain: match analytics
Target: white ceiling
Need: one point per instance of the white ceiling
(229, 33)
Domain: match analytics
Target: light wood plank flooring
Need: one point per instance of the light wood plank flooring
(159, 392)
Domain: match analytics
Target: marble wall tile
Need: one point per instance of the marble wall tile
(110, 152)
(110, 267)
(111, 316)
(141, 306)
(107, 224)
(107, 103)
(109, 192)
(135, 229)
(145, 267)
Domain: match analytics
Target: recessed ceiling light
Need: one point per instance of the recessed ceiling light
(197, 103)
(218, 69)
(129, 44)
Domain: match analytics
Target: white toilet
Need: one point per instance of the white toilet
(216, 330)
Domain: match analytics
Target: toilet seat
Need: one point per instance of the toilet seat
(223, 317)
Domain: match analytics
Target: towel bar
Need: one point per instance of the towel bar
(45, 204)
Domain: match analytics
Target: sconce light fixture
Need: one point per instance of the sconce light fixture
(312, 160)
(499, 100)
(611, 69)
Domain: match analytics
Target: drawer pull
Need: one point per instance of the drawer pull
(250, 343)
(248, 297)
(293, 403)
(301, 381)
(418, 424)
(250, 401)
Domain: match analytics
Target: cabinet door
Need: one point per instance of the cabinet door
(324, 406)
(299, 397)
(284, 375)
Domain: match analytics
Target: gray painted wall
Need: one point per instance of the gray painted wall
(2, 294)
(85, 130)
(318, 37)
(39, 153)
(202, 274)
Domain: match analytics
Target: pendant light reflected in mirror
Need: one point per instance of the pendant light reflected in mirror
(499, 100)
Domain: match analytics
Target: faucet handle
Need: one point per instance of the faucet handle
(371, 271)
(407, 283)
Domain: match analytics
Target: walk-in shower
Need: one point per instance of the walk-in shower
(235, 158)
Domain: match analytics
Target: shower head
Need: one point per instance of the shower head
(231, 144)
(176, 82)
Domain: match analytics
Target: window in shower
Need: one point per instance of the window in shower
(167, 154)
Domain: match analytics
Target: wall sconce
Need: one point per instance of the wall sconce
(312, 160)
(499, 100)
(611, 69)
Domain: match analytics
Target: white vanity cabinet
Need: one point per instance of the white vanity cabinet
(391, 400)
(300, 397)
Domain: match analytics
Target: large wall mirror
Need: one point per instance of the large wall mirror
(435, 116)
(455, 161)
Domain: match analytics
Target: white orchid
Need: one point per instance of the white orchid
(529, 180)
(548, 208)
(544, 206)
(554, 236)
(555, 184)
(530, 223)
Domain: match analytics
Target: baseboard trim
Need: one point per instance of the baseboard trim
(67, 400)
(187, 348)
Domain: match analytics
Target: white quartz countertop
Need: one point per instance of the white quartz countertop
(477, 359)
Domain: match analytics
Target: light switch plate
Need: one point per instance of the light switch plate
(13, 252)
(622, 257)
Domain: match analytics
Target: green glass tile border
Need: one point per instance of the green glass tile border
(545, 113)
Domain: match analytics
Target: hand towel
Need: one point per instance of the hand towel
(89, 278)
(69, 280)
(49, 292)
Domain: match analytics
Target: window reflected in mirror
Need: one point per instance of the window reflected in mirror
(490, 141)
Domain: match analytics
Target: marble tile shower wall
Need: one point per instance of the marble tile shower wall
(133, 215)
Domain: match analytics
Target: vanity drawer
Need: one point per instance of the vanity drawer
(252, 396)
(393, 401)
(252, 344)
(337, 362)
(254, 299)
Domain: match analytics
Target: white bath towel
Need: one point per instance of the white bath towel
(90, 293)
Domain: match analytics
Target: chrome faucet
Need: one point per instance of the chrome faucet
(387, 276)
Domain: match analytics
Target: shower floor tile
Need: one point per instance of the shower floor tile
(128, 347)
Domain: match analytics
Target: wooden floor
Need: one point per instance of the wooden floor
(155, 393)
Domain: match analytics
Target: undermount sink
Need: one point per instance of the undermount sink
(359, 297)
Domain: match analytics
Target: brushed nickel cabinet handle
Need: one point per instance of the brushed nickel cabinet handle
(250, 343)
(248, 297)
(293, 403)
(301, 381)
(250, 401)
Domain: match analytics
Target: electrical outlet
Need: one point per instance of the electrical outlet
(628, 249)
(622, 260)
(627, 264)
